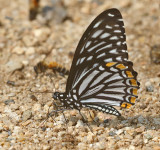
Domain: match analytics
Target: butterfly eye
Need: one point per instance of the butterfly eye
(55, 95)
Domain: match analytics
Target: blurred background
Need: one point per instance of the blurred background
(49, 30)
(35, 30)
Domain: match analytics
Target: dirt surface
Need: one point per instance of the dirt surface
(23, 118)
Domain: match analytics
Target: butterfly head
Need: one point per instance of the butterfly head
(59, 96)
(56, 95)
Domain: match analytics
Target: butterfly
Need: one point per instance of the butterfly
(101, 76)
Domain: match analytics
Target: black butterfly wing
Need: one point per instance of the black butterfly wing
(85, 55)
(101, 73)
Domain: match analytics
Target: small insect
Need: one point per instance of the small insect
(55, 67)
(33, 9)
(101, 75)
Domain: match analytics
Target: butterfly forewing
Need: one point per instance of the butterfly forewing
(103, 41)
(101, 75)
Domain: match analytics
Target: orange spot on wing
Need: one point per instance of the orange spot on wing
(134, 91)
(133, 99)
(126, 105)
(121, 66)
(110, 64)
(129, 74)
(133, 82)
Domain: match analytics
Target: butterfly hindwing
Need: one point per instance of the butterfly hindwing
(108, 85)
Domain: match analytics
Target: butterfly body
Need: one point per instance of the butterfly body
(101, 75)
(66, 101)
(69, 103)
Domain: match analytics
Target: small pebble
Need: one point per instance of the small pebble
(26, 115)
(73, 120)
(120, 131)
(18, 50)
(11, 83)
(148, 136)
(150, 88)
(30, 51)
(13, 65)
(142, 120)
(107, 120)
(156, 121)
(36, 107)
(111, 133)
(11, 94)
(99, 145)
(34, 98)
(9, 101)
(80, 124)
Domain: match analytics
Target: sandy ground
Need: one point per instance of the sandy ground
(23, 119)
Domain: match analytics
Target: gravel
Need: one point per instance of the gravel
(24, 121)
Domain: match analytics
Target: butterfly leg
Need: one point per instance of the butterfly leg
(55, 111)
(92, 117)
(85, 121)
(50, 115)
(64, 117)
(42, 123)
(57, 105)
(62, 111)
